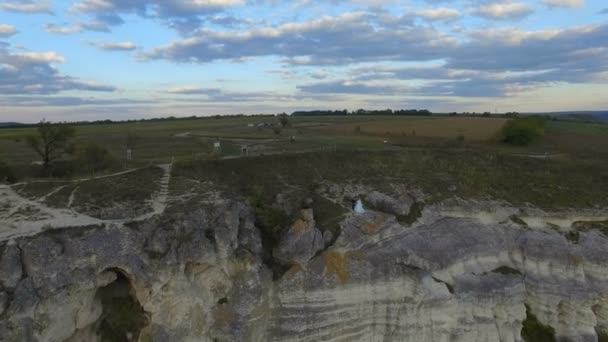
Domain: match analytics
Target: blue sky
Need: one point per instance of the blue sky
(122, 59)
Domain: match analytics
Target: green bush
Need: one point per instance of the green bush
(522, 132)
(6, 173)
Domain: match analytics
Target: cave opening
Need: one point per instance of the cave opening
(123, 317)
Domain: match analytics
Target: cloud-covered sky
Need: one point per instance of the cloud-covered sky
(122, 59)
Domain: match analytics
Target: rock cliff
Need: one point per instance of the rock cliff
(404, 270)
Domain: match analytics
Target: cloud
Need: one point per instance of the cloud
(221, 95)
(324, 41)
(77, 28)
(114, 46)
(7, 30)
(350, 87)
(438, 14)
(26, 6)
(66, 101)
(518, 50)
(503, 10)
(184, 15)
(34, 73)
(564, 3)
(193, 90)
(492, 63)
(485, 63)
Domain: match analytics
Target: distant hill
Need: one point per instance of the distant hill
(580, 115)
(10, 124)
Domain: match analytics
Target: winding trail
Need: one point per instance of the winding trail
(20, 217)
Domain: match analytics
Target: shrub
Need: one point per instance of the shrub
(95, 157)
(6, 173)
(522, 132)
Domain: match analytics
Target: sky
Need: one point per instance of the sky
(131, 59)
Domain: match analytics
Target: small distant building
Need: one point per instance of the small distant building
(129, 154)
(251, 125)
(244, 150)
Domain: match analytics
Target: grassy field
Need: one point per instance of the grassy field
(472, 129)
(160, 142)
(474, 173)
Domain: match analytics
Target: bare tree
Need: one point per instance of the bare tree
(50, 141)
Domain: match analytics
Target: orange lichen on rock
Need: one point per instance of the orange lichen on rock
(371, 227)
(299, 226)
(336, 263)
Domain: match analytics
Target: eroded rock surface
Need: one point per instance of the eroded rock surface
(199, 272)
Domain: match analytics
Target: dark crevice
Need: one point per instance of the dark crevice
(210, 235)
(413, 215)
(122, 317)
(535, 331)
(506, 270)
(21, 258)
(271, 223)
(516, 219)
(410, 268)
(447, 285)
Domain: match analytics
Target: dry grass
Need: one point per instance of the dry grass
(473, 129)
(114, 197)
(36, 190)
(476, 173)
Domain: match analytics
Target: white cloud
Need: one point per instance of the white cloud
(503, 10)
(41, 57)
(438, 14)
(564, 3)
(26, 7)
(7, 30)
(27, 73)
(115, 46)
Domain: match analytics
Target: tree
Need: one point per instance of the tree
(284, 120)
(50, 141)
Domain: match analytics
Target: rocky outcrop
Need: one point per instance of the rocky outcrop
(301, 241)
(197, 273)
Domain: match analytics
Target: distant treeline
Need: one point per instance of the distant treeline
(362, 112)
(161, 119)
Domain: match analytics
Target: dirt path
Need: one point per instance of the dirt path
(21, 217)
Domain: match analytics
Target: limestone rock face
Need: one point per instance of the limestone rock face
(389, 204)
(200, 272)
(301, 241)
(10, 267)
